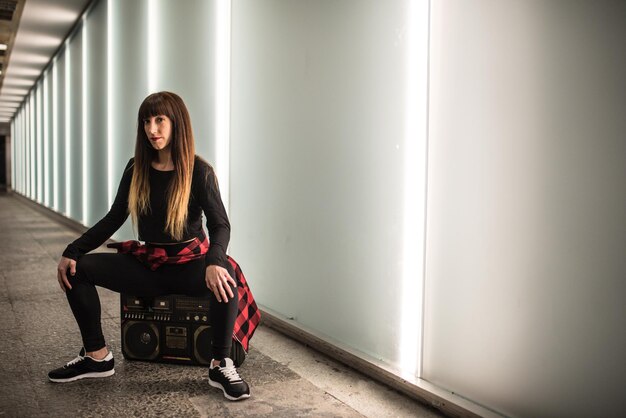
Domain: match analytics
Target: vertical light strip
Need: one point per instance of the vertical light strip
(415, 165)
(26, 170)
(55, 135)
(110, 91)
(23, 151)
(153, 45)
(222, 95)
(19, 170)
(17, 143)
(84, 106)
(28, 148)
(13, 152)
(19, 161)
(23, 136)
(32, 142)
(14, 155)
(46, 139)
(20, 135)
(25, 177)
(68, 132)
(39, 128)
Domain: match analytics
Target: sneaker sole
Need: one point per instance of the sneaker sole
(226, 395)
(84, 376)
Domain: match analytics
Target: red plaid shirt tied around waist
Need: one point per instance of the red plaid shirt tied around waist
(153, 256)
(248, 314)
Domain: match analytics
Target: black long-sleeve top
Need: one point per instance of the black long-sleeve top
(205, 197)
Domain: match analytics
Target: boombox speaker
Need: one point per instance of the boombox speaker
(169, 329)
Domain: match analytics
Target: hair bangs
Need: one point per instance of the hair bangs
(155, 105)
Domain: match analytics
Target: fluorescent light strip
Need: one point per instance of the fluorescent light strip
(15, 141)
(22, 167)
(152, 46)
(415, 164)
(13, 153)
(27, 148)
(27, 155)
(19, 163)
(55, 135)
(85, 154)
(110, 90)
(68, 137)
(25, 128)
(20, 136)
(46, 139)
(39, 138)
(33, 155)
(222, 94)
(23, 136)
(22, 153)
(32, 116)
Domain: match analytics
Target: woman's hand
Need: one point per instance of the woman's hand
(217, 279)
(64, 263)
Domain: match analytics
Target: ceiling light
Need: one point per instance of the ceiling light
(3, 47)
(15, 91)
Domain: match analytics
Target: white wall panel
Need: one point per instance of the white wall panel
(129, 84)
(97, 121)
(32, 147)
(48, 144)
(187, 31)
(75, 125)
(527, 206)
(39, 159)
(61, 134)
(317, 121)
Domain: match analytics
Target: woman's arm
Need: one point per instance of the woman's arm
(216, 219)
(217, 278)
(112, 221)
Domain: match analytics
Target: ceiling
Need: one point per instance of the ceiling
(33, 35)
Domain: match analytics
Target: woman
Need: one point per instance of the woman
(165, 188)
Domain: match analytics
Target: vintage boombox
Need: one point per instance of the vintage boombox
(171, 329)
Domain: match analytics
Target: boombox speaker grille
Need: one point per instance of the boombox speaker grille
(202, 344)
(141, 340)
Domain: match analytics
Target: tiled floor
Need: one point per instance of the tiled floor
(38, 333)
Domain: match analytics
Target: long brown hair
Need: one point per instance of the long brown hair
(183, 153)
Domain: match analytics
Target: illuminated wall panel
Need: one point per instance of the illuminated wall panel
(32, 148)
(15, 158)
(97, 122)
(129, 83)
(48, 144)
(24, 158)
(75, 128)
(527, 206)
(190, 23)
(61, 133)
(39, 160)
(317, 164)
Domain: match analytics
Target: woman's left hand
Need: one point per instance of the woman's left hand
(217, 279)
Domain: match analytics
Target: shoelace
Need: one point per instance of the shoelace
(231, 373)
(76, 360)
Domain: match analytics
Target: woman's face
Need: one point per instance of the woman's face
(159, 131)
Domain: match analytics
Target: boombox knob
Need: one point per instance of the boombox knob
(145, 338)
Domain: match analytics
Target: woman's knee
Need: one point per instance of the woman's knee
(85, 266)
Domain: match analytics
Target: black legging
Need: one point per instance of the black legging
(123, 273)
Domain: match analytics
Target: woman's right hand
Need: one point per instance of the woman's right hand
(64, 264)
